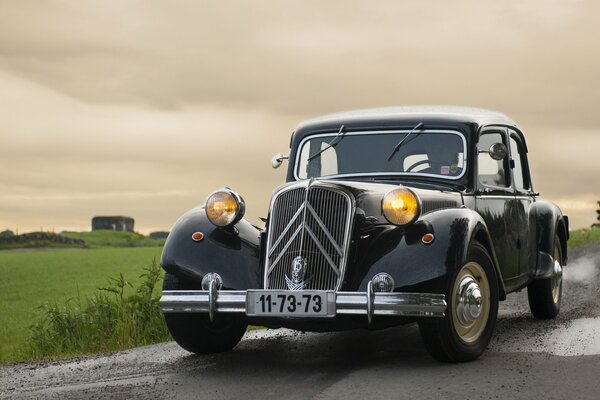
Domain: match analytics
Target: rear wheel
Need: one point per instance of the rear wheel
(545, 294)
(472, 297)
(196, 333)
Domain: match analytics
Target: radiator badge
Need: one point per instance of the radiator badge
(298, 269)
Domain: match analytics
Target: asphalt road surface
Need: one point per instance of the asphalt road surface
(527, 359)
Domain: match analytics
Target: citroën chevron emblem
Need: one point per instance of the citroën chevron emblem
(298, 270)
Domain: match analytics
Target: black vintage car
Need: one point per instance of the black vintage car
(388, 216)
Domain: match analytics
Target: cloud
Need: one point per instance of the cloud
(135, 97)
(308, 58)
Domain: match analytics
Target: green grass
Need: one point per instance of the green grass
(106, 238)
(32, 278)
(582, 237)
(118, 316)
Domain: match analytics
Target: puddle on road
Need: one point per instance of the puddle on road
(581, 337)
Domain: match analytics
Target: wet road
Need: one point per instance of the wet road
(527, 359)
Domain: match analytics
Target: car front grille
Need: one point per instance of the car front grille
(434, 205)
(309, 228)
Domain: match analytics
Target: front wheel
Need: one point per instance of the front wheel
(472, 297)
(195, 332)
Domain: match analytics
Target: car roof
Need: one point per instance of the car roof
(400, 115)
(465, 119)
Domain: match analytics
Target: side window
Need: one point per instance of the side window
(517, 158)
(490, 171)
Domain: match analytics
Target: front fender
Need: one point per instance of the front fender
(401, 253)
(233, 253)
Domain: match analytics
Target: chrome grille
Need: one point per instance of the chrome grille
(433, 205)
(311, 221)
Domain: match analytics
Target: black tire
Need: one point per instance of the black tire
(543, 301)
(441, 335)
(196, 333)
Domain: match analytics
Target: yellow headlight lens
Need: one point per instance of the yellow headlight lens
(223, 208)
(401, 206)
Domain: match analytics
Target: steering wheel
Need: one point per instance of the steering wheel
(417, 164)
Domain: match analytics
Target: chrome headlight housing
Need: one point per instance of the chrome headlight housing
(401, 206)
(224, 207)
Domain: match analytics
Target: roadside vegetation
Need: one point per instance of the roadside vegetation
(117, 316)
(581, 237)
(62, 277)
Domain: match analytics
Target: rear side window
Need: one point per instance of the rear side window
(491, 172)
(517, 155)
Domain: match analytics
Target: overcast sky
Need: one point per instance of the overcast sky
(142, 108)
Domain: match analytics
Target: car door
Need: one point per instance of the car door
(495, 202)
(524, 199)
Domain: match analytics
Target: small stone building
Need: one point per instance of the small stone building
(115, 223)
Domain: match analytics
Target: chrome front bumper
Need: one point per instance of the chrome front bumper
(367, 303)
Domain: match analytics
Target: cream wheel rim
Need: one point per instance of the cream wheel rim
(470, 302)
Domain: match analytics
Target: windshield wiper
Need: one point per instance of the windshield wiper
(397, 147)
(331, 144)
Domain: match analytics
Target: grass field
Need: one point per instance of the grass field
(31, 278)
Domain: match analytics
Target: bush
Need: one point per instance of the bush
(582, 237)
(115, 318)
(38, 239)
(6, 234)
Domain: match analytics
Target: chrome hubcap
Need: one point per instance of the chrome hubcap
(468, 300)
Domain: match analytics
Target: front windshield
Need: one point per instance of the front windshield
(423, 153)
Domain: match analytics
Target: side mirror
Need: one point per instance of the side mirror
(497, 151)
(278, 160)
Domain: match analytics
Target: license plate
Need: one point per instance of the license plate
(290, 303)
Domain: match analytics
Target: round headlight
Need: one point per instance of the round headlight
(401, 206)
(224, 207)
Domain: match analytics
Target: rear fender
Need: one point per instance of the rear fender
(550, 223)
(233, 253)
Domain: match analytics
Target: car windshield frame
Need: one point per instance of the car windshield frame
(398, 132)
